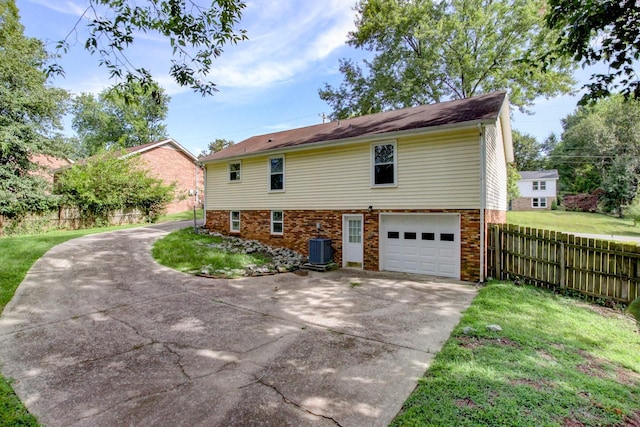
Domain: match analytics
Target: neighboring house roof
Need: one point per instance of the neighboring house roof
(546, 174)
(139, 149)
(468, 111)
(50, 162)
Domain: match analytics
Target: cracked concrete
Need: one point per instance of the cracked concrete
(98, 334)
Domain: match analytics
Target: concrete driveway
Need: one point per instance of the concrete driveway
(98, 334)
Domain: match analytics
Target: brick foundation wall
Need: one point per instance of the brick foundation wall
(524, 204)
(300, 225)
(174, 166)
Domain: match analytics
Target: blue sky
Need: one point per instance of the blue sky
(267, 83)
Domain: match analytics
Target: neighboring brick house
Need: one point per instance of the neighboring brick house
(410, 190)
(171, 162)
(538, 190)
(48, 165)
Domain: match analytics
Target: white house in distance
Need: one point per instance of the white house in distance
(538, 190)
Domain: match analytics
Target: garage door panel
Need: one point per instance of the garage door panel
(426, 244)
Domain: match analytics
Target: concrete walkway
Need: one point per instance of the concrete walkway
(98, 334)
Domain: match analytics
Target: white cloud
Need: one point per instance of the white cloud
(67, 7)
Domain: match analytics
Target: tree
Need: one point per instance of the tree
(216, 145)
(121, 117)
(600, 148)
(428, 51)
(513, 191)
(196, 35)
(109, 182)
(603, 31)
(527, 152)
(30, 114)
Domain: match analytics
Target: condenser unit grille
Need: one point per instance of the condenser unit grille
(320, 251)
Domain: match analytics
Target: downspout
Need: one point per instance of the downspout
(483, 196)
(204, 196)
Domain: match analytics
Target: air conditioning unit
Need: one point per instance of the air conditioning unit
(319, 251)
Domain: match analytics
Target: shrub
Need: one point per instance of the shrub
(584, 202)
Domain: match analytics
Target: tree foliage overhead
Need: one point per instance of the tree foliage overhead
(120, 117)
(428, 51)
(111, 181)
(216, 145)
(600, 148)
(30, 115)
(196, 35)
(603, 31)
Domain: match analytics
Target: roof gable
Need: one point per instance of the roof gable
(544, 174)
(139, 149)
(469, 110)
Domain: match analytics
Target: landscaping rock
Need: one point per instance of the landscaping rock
(468, 330)
(494, 328)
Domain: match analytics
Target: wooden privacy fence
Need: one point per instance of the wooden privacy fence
(599, 268)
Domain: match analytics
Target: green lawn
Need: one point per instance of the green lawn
(578, 222)
(557, 362)
(186, 251)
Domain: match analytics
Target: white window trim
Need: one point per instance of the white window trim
(229, 170)
(280, 233)
(231, 220)
(395, 164)
(541, 205)
(284, 176)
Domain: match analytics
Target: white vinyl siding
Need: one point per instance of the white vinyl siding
(496, 175)
(433, 172)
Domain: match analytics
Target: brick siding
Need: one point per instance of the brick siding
(172, 165)
(300, 226)
(524, 204)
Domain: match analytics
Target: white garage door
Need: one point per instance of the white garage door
(423, 244)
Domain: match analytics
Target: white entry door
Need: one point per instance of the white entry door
(352, 242)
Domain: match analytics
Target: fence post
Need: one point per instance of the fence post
(562, 267)
(497, 236)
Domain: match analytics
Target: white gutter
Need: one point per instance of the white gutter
(204, 196)
(483, 196)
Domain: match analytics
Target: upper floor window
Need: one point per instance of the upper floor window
(276, 173)
(384, 167)
(539, 185)
(234, 171)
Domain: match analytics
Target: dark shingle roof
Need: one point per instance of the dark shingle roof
(479, 108)
(546, 174)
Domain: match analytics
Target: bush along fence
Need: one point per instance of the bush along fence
(598, 268)
(66, 217)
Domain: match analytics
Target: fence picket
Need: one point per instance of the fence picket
(544, 258)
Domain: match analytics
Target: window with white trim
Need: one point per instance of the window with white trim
(539, 185)
(276, 173)
(234, 221)
(235, 169)
(277, 222)
(539, 202)
(384, 164)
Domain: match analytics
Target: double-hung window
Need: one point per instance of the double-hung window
(539, 185)
(276, 173)
(539, 202)
(384, 171)
(234, 221)
(235, 168)
(277, 222)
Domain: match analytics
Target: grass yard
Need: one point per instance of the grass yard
(557, 362)
(182, 216)
(578, 222)
(186, 251)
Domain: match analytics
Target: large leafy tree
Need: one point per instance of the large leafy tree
(30, 115)
(195, 33)
(600, 148)
(111, 181)
(216, 145)
(120, 117)
(602, 31)
(428, 51)
(528, 152)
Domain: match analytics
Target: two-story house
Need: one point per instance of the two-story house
(538, 190)
(410, 190)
